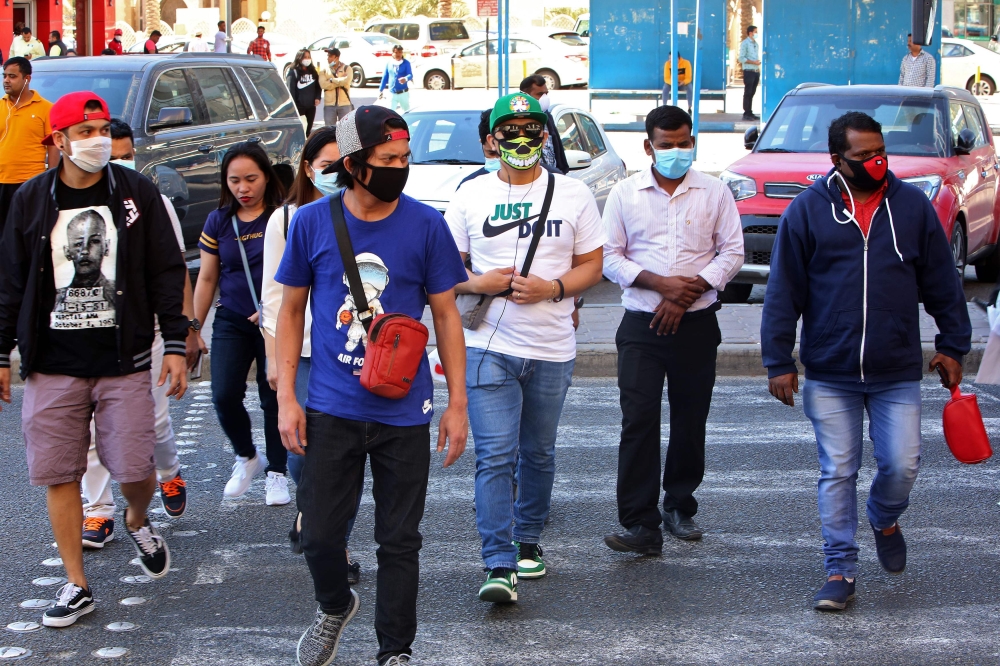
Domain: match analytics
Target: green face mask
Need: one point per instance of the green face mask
(521, 153)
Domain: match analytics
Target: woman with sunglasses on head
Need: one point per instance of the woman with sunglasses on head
(232, 259)
(303, 83)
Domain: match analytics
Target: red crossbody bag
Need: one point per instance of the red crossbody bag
(396, 342)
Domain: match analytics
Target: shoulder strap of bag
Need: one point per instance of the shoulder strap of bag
(246, 269)
(286, 221)
(350, 263)
(539, 230)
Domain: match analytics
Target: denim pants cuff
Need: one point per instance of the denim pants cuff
(846, 572)
(526, 539)
(500, 564)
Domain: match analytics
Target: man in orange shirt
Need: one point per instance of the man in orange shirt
(26, 122)
(684, 79)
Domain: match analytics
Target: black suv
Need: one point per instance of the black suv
(186, 110)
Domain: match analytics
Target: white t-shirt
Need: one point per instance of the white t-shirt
(198, 45)
(489, 220)
(274, 248)
(220, 41)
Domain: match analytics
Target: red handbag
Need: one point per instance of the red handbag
(396, 342)
(964, 430)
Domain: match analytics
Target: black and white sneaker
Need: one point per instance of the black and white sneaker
(154, 556)
(73, 602)
(353, 572)
(318, 645)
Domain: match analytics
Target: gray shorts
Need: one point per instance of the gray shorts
(56, 422)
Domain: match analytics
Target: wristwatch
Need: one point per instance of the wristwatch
(194, 325)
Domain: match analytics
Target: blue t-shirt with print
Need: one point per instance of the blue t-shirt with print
(401, 258)
(218, 238)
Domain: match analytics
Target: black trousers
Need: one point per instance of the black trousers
(332, 475)
(750, 83)
(310, 113)
(7, 191)
(687, 360)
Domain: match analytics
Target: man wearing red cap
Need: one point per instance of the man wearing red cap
(116, 43)
(82, 273)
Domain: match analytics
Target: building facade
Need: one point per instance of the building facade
(92, 25)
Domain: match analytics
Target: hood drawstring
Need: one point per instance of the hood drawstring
(851, 216)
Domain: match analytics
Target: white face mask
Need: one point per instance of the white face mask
(307, 62)
(545, 102)
(118, 38)
(128, 164)
(91, 155)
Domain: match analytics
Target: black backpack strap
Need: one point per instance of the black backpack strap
(286, 221)
(350, 263)
(539, 231)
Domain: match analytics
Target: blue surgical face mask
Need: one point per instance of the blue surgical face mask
(673, 163)
(492, 164)
(326, 183)
(128, 164)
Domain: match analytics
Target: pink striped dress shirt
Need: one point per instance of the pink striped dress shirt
(696, 231)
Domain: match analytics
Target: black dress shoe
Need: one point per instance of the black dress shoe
(681, 526)
(636, 539)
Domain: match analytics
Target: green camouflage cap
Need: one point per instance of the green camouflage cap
(517, 105)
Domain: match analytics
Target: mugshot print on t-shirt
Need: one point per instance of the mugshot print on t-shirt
(84, 253)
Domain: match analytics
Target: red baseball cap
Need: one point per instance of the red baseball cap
(70, 110)
(118, 31)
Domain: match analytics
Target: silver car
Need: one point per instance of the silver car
(446, 149)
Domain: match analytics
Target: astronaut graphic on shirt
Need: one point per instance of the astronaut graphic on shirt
(84, 249)
(374, 279)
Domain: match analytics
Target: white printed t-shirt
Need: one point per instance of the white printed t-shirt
(492, 222)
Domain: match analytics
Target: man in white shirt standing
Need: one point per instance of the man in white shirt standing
(918, 67)
(198, 44)
(520, 357)
(221, 39)
(675, 240)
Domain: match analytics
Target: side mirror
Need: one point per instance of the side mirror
(585, 33)
(172, 116)
(966, 142)
(578, 159)
(993, 38)
(750, 138)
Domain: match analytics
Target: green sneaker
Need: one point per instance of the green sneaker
(529, 560)
(500, 587)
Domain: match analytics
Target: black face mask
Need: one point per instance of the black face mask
(386, 183)
(868, 174)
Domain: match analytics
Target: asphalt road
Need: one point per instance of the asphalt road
(238, 596)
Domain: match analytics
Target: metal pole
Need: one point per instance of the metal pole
(673, 56)
(498, 47)
(696, 80)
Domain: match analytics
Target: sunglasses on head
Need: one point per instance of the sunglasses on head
(511, 132)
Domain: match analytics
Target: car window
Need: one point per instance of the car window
(975, 123)
(172, 89)
(595, 142)
(377, 40)
(447, 30)
(343, 44)
(568, 38)
(955, 51)
(522, 46)
(272, 91)
(445, 137)
(321, 43)
(479, 49)
(957, 119)
(408, 32)
(115, 88)
(569, 132)
(219, 97)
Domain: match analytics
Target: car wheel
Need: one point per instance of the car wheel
(437, 80)
(735, 293)
(551, 79)
(958, 248)
(988, 269)
(358, 72)
(986, 86)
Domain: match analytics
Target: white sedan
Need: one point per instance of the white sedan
(365, 52)
(446, 149)
(959, 60)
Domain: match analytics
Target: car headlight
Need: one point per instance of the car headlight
(741, 186)
(930, 185)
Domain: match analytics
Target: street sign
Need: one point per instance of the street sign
(486, 7)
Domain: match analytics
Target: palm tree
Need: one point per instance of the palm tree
(152, 15)
(444, 8)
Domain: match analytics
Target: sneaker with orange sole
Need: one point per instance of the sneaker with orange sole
(97, 531)
(173, 494)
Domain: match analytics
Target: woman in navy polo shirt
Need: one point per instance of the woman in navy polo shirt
(251, 194)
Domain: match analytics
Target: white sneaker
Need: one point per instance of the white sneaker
(243, 472)
(277, 489)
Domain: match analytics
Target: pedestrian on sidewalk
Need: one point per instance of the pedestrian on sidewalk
(22, 155)
(57, 47)
(918, 67)
(674, 241)
(520, 358)
(310, 185)
(115, 44)
(854, 267)
(303, 84)
(26, 46)
(150, 46)
(396, 77)
(221, 42)
(553, 152)
(233, 261)
(685, 77)
(82, 274)
(198, 44)
(750, 61)
(99, 506)
(260, 47)
(406, 259)
(335, 80)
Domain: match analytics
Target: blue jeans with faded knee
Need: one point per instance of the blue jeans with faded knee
(836, 410)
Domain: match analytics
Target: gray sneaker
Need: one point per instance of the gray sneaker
(397, 660)
(318, 645)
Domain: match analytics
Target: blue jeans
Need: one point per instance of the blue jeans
(836, 410)
(514, 409)
(684, 87)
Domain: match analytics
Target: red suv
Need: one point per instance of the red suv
(936, 138)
